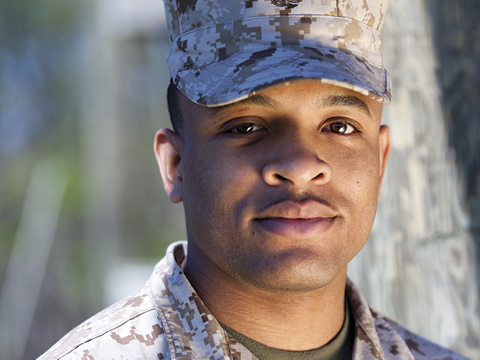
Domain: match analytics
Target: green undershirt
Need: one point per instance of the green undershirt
(340, 348)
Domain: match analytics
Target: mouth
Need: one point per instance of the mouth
(299, 228)
(295, 220)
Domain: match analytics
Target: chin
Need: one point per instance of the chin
(298, 276)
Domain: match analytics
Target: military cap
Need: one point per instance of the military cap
(224, 50)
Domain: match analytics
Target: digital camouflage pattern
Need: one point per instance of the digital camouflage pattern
(167, 320)
(224, 50)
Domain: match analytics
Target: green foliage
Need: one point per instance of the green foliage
(47, 19)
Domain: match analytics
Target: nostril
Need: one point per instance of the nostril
(298, 170)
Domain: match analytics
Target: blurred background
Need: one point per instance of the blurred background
(83, 214)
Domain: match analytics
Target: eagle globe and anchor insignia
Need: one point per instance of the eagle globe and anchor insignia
(286, 3)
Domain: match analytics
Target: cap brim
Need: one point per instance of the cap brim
(236, 77)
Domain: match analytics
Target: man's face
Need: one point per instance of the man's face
(280, 190)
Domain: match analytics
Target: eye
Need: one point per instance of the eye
(340, 127)
(246, 128)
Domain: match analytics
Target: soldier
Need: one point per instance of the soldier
(278, 156)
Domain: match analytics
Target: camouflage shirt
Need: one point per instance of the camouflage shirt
(167, 320)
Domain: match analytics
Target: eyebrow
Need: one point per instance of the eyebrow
(347, 101)
(255, 99)
(330, 101)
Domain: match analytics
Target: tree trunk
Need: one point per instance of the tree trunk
(421, 264)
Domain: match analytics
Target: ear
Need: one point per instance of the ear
(168, 148)
(383, 149)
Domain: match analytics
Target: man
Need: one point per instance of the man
(278, 155)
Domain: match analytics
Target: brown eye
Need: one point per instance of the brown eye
(341, 128)
(246, 128)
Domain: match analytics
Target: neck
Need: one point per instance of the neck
(296, 320)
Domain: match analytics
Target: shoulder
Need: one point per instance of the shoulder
(130, 326)
(421, 348)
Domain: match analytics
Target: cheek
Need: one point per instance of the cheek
(358, 170)
(215, 187)
(357, 178)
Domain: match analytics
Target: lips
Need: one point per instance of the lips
(296, 228)
(295, 220)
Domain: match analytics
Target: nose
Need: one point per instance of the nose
(297, 165)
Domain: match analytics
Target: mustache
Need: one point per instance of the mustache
(297, 198)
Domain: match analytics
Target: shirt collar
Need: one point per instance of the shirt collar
(190, 328)
(374, 337)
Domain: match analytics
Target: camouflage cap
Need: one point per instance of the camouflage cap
(224, 50)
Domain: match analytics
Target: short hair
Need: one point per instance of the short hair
(174, 108)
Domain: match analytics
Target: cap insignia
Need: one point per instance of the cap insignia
(286, 3)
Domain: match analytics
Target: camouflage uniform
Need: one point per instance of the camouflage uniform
(167, 320)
